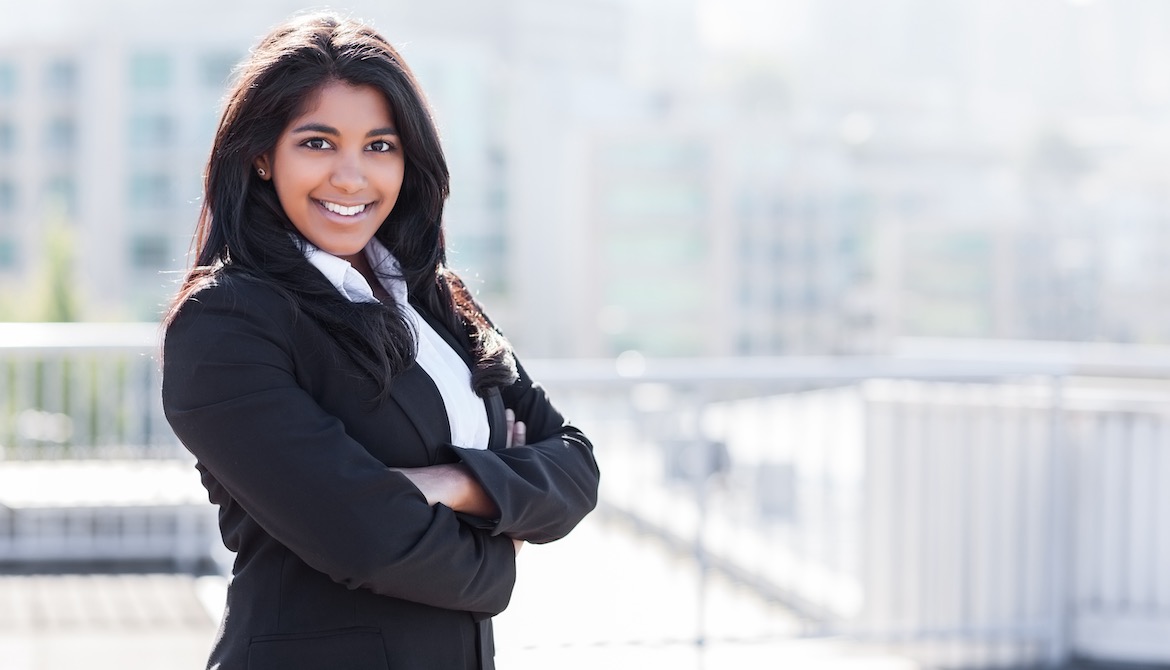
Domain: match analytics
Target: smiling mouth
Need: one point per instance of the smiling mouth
(342, 210)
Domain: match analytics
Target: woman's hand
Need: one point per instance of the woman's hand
(517, 435)
(517, 431)
(452, 484)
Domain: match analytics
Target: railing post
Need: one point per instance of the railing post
(1062, 504)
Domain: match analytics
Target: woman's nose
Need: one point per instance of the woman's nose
(348, 175)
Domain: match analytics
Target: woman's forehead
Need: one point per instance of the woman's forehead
(341, 100)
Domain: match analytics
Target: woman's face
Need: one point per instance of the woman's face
(338, 167)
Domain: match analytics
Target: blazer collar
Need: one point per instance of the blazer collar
(348, 281)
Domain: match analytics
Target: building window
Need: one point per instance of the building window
(643, 201)
(60, 134)
(216, 70)
(778, 251)
(658, 156)
(61, 76)
(7, 137)
(7, 253)
(151, 131)
(61, 194)
(7, 197)
(7, 81)
(150, 190)
(149, 252)
(150, 72)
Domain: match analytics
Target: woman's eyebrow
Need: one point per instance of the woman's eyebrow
(317, 128)
(330, 130)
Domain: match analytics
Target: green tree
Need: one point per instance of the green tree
(59, 301)
(52, 295)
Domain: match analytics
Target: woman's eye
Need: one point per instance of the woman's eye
(381, 145)
(317, 143)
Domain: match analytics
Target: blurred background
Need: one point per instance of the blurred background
(860, 301)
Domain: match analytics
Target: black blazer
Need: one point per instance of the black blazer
(340, 562)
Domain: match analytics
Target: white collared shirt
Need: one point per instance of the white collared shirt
(465, 410)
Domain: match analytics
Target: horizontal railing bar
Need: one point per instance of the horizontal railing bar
(912, 358)
(33, 337)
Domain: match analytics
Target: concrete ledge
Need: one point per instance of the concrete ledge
(79, 511)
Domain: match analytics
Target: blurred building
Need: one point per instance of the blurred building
(1002, 148)
(107, 122)
(676, 177)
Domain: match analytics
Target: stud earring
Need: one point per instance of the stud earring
(260, 171)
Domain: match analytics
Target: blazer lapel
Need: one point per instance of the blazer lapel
(418, 396)
(493, 403)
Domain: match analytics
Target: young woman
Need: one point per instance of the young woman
(376, 452)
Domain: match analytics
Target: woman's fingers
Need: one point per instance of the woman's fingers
(517, 432)
(510, 422)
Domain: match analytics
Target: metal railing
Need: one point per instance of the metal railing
(976, 505)
(78, 390)
(985, 505)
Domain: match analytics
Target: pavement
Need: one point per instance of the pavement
(96, 621)
(609, 597)
(604, 597)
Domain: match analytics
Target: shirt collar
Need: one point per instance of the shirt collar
(349, 282)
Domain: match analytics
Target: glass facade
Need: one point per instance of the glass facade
(151, 131)
(8, 80)
(61, 76)
(8, 255)
(61, 195)
(151, 190)
(151, 72)
(7, 138)
(215, 69)
(149, 251)
(7, 197)
(61, 134)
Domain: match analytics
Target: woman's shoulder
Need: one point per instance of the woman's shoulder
(227, 311)
(228, 290)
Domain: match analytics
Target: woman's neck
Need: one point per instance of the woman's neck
(362, 265)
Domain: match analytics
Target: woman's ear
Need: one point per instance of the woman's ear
(263, 168)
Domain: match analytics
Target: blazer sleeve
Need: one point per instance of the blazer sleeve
(544, 488)
(231, 395)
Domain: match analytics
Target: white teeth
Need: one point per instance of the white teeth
(344, 211)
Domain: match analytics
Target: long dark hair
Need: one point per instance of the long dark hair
(242, 227)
